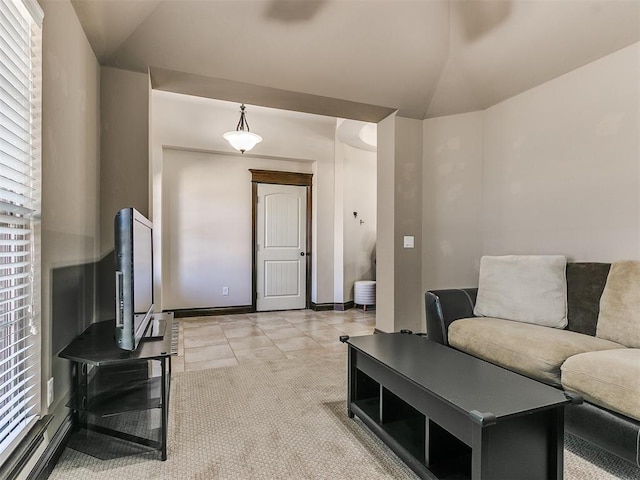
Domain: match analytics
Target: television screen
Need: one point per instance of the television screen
(134, 277)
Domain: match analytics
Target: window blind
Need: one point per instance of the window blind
(20, 186)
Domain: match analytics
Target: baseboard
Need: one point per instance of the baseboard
(377, 330)
(341, 307)
(205, 312)
(52, 453)
(319, 307)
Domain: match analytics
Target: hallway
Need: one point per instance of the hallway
(228, 340)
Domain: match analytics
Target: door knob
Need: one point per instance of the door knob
(302, 254)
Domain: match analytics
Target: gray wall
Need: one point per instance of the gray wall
(124, 148)
(386, 235)
(561, 165)
(408, 221)
(71, 189)
(399, 269)
(555, 170)
(80, 192)
(452, 200)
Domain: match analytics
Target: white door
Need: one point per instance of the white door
(281, 282)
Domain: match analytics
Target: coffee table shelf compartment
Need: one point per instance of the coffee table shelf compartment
(420, 442)
(404, 423)
(422, 400)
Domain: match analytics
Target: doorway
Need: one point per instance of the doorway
(281, 240)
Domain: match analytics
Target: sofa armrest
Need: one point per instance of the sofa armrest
(444, 306)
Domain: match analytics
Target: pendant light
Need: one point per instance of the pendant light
(242, 139)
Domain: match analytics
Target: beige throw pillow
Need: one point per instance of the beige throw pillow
(619, 317)
(524, 288)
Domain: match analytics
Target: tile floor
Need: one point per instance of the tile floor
(228, 340)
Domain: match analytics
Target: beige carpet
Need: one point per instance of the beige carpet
(284, 419)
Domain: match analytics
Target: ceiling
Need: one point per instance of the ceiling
(359, 59)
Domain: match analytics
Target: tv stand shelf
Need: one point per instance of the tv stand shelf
(107, 396)
(113, 384)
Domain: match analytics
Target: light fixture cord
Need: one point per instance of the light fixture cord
(243, 121)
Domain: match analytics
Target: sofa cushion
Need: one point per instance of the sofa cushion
(585, 284)
(610, 379)
(523, 288)
(532, 350)
(619, 317)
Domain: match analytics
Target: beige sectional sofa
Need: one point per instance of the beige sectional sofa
(593, 351)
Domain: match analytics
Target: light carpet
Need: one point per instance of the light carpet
(283, 419)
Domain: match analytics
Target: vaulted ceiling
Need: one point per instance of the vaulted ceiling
(357, 58)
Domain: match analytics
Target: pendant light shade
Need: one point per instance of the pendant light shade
(241, 139)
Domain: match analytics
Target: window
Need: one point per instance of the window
(20, 94)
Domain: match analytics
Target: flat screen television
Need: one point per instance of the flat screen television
(134, 277)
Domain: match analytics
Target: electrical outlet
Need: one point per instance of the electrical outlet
(225, 290)
(49, 392)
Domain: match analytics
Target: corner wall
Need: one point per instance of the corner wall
(355, 237)
(408, 222)
(70, 193)
(399, 269)
(385, 217)
(555, 169)
(124, 147)
(562, 163)
(359, 232)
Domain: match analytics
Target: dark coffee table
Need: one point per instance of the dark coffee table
(449, 415)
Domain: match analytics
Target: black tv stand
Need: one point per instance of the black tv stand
(156, 329)
(112, 383)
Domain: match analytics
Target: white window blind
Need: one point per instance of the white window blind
(20, 100)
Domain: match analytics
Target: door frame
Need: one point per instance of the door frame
(278, 178)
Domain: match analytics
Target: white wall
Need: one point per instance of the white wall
(207, 218)
(558, 172)
(338, 220)
(322, 240)
(197, 124)
(359, 195)
(355, 242)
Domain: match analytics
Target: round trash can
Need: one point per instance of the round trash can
(364, 293)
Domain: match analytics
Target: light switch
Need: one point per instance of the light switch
(408, 241)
